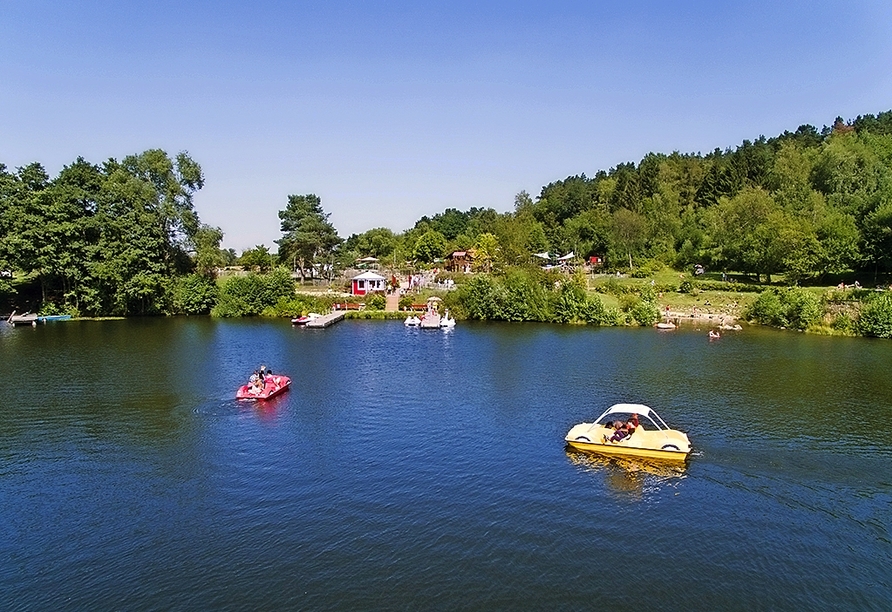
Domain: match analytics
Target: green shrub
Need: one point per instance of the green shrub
(297, 306)
(405, 302)
(376, 301)
(791, 307)
(593, 311)
(628, 301)
(876, 317)
(251, 295)
(645, 312)
(479, 297)
(194, 294)
(613, 287)
(523, 298)
(803, 308)
(530, 295)
(687, 286)
(666, 288)
(767, 310)
(842, 322)
(570, 302)
(647, 269)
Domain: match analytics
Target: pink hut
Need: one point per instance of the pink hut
(368, 282)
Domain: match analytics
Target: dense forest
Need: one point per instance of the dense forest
(123, 237)
(806, 204)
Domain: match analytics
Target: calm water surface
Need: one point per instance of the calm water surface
(416, 470)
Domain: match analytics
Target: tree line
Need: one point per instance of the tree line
(120, 238)
(123, 237)
(806, 204)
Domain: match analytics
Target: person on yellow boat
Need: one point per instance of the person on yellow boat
(621, 431)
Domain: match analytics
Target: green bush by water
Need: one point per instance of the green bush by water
(791, 307)
(254, 294)
(194, 294)
(876, 317)
(530, 295)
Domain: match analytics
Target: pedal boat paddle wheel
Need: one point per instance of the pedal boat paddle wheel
(652, 439)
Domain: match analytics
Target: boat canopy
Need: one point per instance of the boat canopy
(640, 409)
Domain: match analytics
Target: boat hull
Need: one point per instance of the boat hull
(275, 385)
(665, 445)
(430, 321)
(615, 450)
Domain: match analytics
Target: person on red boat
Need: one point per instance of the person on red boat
(255, 383)
(266, 373)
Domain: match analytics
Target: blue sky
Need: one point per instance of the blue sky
(393, 110)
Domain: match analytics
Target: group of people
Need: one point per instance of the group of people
(843, 286)
(622, 430)
(257, 380)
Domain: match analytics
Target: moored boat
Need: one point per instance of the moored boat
(273, 384)
(651, 438)
(447, 322)
(431, 318)
(412, 321)
(305, 319)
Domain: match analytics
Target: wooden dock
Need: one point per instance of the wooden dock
(326, 320)
(25, 319)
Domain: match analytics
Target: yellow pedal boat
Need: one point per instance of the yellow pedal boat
(652, 438)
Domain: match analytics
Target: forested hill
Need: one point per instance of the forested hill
(806, 203)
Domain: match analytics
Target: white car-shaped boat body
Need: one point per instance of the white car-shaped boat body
(652, 439)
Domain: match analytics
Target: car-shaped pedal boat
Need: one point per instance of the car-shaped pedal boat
(273, 384)
(652, 439)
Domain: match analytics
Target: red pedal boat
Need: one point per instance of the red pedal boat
(274, 384)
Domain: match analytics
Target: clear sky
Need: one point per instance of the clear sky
(392, 110)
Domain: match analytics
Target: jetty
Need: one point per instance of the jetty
(33, 319)
(327, 320)
(24, 319)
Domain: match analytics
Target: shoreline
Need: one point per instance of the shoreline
(719, 319)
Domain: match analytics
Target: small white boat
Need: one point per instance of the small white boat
(305, 319)
(665, 325)
(412, 321)
(447, 322)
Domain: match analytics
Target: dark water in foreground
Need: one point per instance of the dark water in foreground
(414, 470)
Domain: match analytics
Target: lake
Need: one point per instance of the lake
(410, 469)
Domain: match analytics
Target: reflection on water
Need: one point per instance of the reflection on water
(632, 475)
